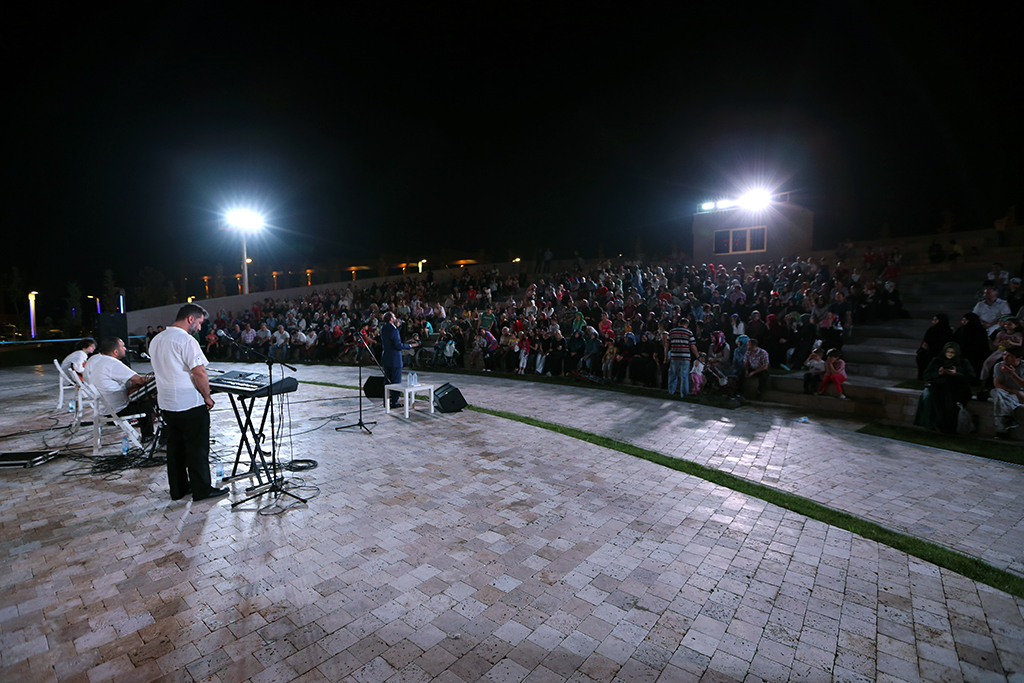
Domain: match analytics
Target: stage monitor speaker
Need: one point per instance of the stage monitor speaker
(114, 325)
(373, 387)
(448, 399)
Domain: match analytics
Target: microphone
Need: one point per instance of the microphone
(221, 333)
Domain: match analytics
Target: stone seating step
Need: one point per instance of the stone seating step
(879, 354)
(894, 373)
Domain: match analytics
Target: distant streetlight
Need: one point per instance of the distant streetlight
(32, 313)
(245, 222)
(420, 264)
(97, 300)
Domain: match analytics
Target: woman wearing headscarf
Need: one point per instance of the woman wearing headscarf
(934, 339)
(738, 356)
(973, 339)
(719, 352)
(949, 378)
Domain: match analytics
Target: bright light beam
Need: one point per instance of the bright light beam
(755, 200)
(244, 219)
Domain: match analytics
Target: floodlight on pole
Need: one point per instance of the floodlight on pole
(32, 313)
(755, 200)
(245, 221)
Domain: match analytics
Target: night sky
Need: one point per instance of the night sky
(129, 133)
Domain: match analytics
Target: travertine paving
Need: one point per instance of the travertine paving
(466, 547)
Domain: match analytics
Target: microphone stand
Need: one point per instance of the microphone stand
(363, 425)
(276, 484)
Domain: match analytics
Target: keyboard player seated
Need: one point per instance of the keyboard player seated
(119, 385)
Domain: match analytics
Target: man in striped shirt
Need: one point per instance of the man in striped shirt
(681, 349)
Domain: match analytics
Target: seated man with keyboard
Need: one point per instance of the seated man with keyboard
(117, 383)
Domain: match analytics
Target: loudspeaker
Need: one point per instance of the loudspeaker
(373, 387)
(448, 399)
(114, 325)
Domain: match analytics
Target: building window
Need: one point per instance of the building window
(741, 240)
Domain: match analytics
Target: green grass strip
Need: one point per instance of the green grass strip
(971, 567)
(329, 384)
(993, 450)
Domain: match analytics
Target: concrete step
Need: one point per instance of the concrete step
(895, 373)
(878, 354)
(868, 389)
(894, 329)
(906, 343)
(925, 312)
(828, 404)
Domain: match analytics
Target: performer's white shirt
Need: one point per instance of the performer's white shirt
(75, 361)
(174, 352)
(110, 376)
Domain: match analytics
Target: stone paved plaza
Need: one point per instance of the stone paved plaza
(466, 547)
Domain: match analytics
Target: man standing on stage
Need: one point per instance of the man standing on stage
(392, 355)
(183, 393)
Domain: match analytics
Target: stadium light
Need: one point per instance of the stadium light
(707, 206)
(725, 204)
(755, 200)
(245, 221)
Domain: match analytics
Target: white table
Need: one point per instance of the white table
(409, 394)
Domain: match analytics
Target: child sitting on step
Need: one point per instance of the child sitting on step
(835, 372)
(816, 367)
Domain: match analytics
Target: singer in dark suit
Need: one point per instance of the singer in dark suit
(392, 354)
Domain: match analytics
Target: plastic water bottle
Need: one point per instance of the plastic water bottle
(124, 446)
(71, 406)
(220, 472)
(415, 381)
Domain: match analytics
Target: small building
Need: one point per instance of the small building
(726, 232)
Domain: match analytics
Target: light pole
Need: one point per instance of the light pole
(32, 313)
(245, 221)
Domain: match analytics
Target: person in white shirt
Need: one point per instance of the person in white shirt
(991, 308)
(183, 393)
(75, 360)
(115, 381)
(279, 344)
(298, 343)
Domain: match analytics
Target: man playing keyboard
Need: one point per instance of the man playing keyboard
(116, 382)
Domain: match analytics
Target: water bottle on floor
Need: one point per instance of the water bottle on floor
(71, 406)
(124, 446)
(220, 472)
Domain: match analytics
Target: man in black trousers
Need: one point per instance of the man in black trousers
(183, 393)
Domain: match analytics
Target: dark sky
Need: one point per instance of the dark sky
(407, 134)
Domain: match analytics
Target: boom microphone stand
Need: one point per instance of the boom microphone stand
(276, 483)
(363, 425)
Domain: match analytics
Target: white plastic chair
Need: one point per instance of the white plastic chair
(85, 399)
(103, 412)
(64, 382)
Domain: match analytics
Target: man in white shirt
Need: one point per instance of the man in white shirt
(279, 344)
(991, 308)
(75, 360)
(115, 381)
(183, 392)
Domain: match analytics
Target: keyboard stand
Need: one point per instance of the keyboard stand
(256, 469)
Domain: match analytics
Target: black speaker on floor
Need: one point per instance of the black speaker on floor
(114, 325)
(373, 387)
(448, 399)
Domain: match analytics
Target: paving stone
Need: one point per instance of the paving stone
(464, 546)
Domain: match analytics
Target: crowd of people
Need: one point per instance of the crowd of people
(604, 323)
(979, 359)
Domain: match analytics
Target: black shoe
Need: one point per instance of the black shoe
(214, 493)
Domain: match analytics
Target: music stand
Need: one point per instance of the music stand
(275, 483)
(363, 425)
